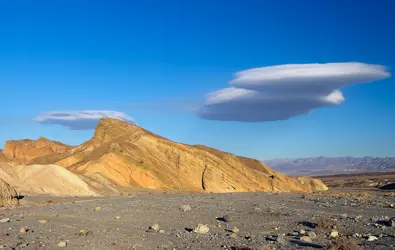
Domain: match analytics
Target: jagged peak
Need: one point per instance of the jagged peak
(41, 139)
(109, 128)
(44, 140)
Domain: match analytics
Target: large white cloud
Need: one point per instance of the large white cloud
(80, 120)
(284, 91)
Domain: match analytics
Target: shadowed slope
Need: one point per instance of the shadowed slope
(8, 195)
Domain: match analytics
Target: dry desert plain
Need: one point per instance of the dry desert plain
(341, 218)
(143, 191)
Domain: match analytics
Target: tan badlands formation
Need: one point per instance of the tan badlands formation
(121, 156)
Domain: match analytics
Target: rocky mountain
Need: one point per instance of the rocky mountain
(315, 166)
(126, 155)
(24, 151)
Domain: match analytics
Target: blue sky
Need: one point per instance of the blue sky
(155, 61)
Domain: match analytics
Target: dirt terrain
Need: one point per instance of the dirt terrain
(366, 181)
(209, 200)
(262, 221)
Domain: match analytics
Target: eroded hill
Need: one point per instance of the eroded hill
(129, 156)
(24, 151)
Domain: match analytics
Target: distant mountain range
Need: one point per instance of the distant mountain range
(315, 166)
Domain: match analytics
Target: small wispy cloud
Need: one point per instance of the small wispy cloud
(80, 120)
(284, 91)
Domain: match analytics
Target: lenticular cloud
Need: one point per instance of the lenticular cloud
(284, 91)
(80, 120)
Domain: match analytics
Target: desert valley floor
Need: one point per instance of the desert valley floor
(234, 220)
(218, 200)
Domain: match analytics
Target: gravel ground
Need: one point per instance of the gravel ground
(262, 221)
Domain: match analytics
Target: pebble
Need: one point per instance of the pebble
(43, 221)
(186, 208)
(162, 231)
(5, 220)
(117, 217)
(312, 235)
(372, 238)
(334, 234)
(302, 232)
(22, 230)
(391, 222)
(97, 208)
(154, 227)
(201, 229)
(356, 235)
(62, 244)
(281, 239)
(235, 230)
(233, 235)
(358, 217)
(306, 239)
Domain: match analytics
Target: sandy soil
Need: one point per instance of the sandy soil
(260, 218)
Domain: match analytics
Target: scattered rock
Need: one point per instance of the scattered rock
(372, 238)
(344, 216)
(97, 208)
(5, 220)
(235, 230)
(82, 232)
(201, 229)
(22, 230)
(306, 239)
(162, 231)
(312, 235)
(356, 235)
(391, 222)
(117, 217)
(186, 208)
(233, 235)
(281, 239)
(153, 228)
(62, 244)
(334, 234)
(294, 233)
(358, 217)
(43, 221)
(302, 232)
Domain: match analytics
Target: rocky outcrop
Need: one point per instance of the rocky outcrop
(8, 195)
(129, 156)
(24, 151)
(2, 157)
